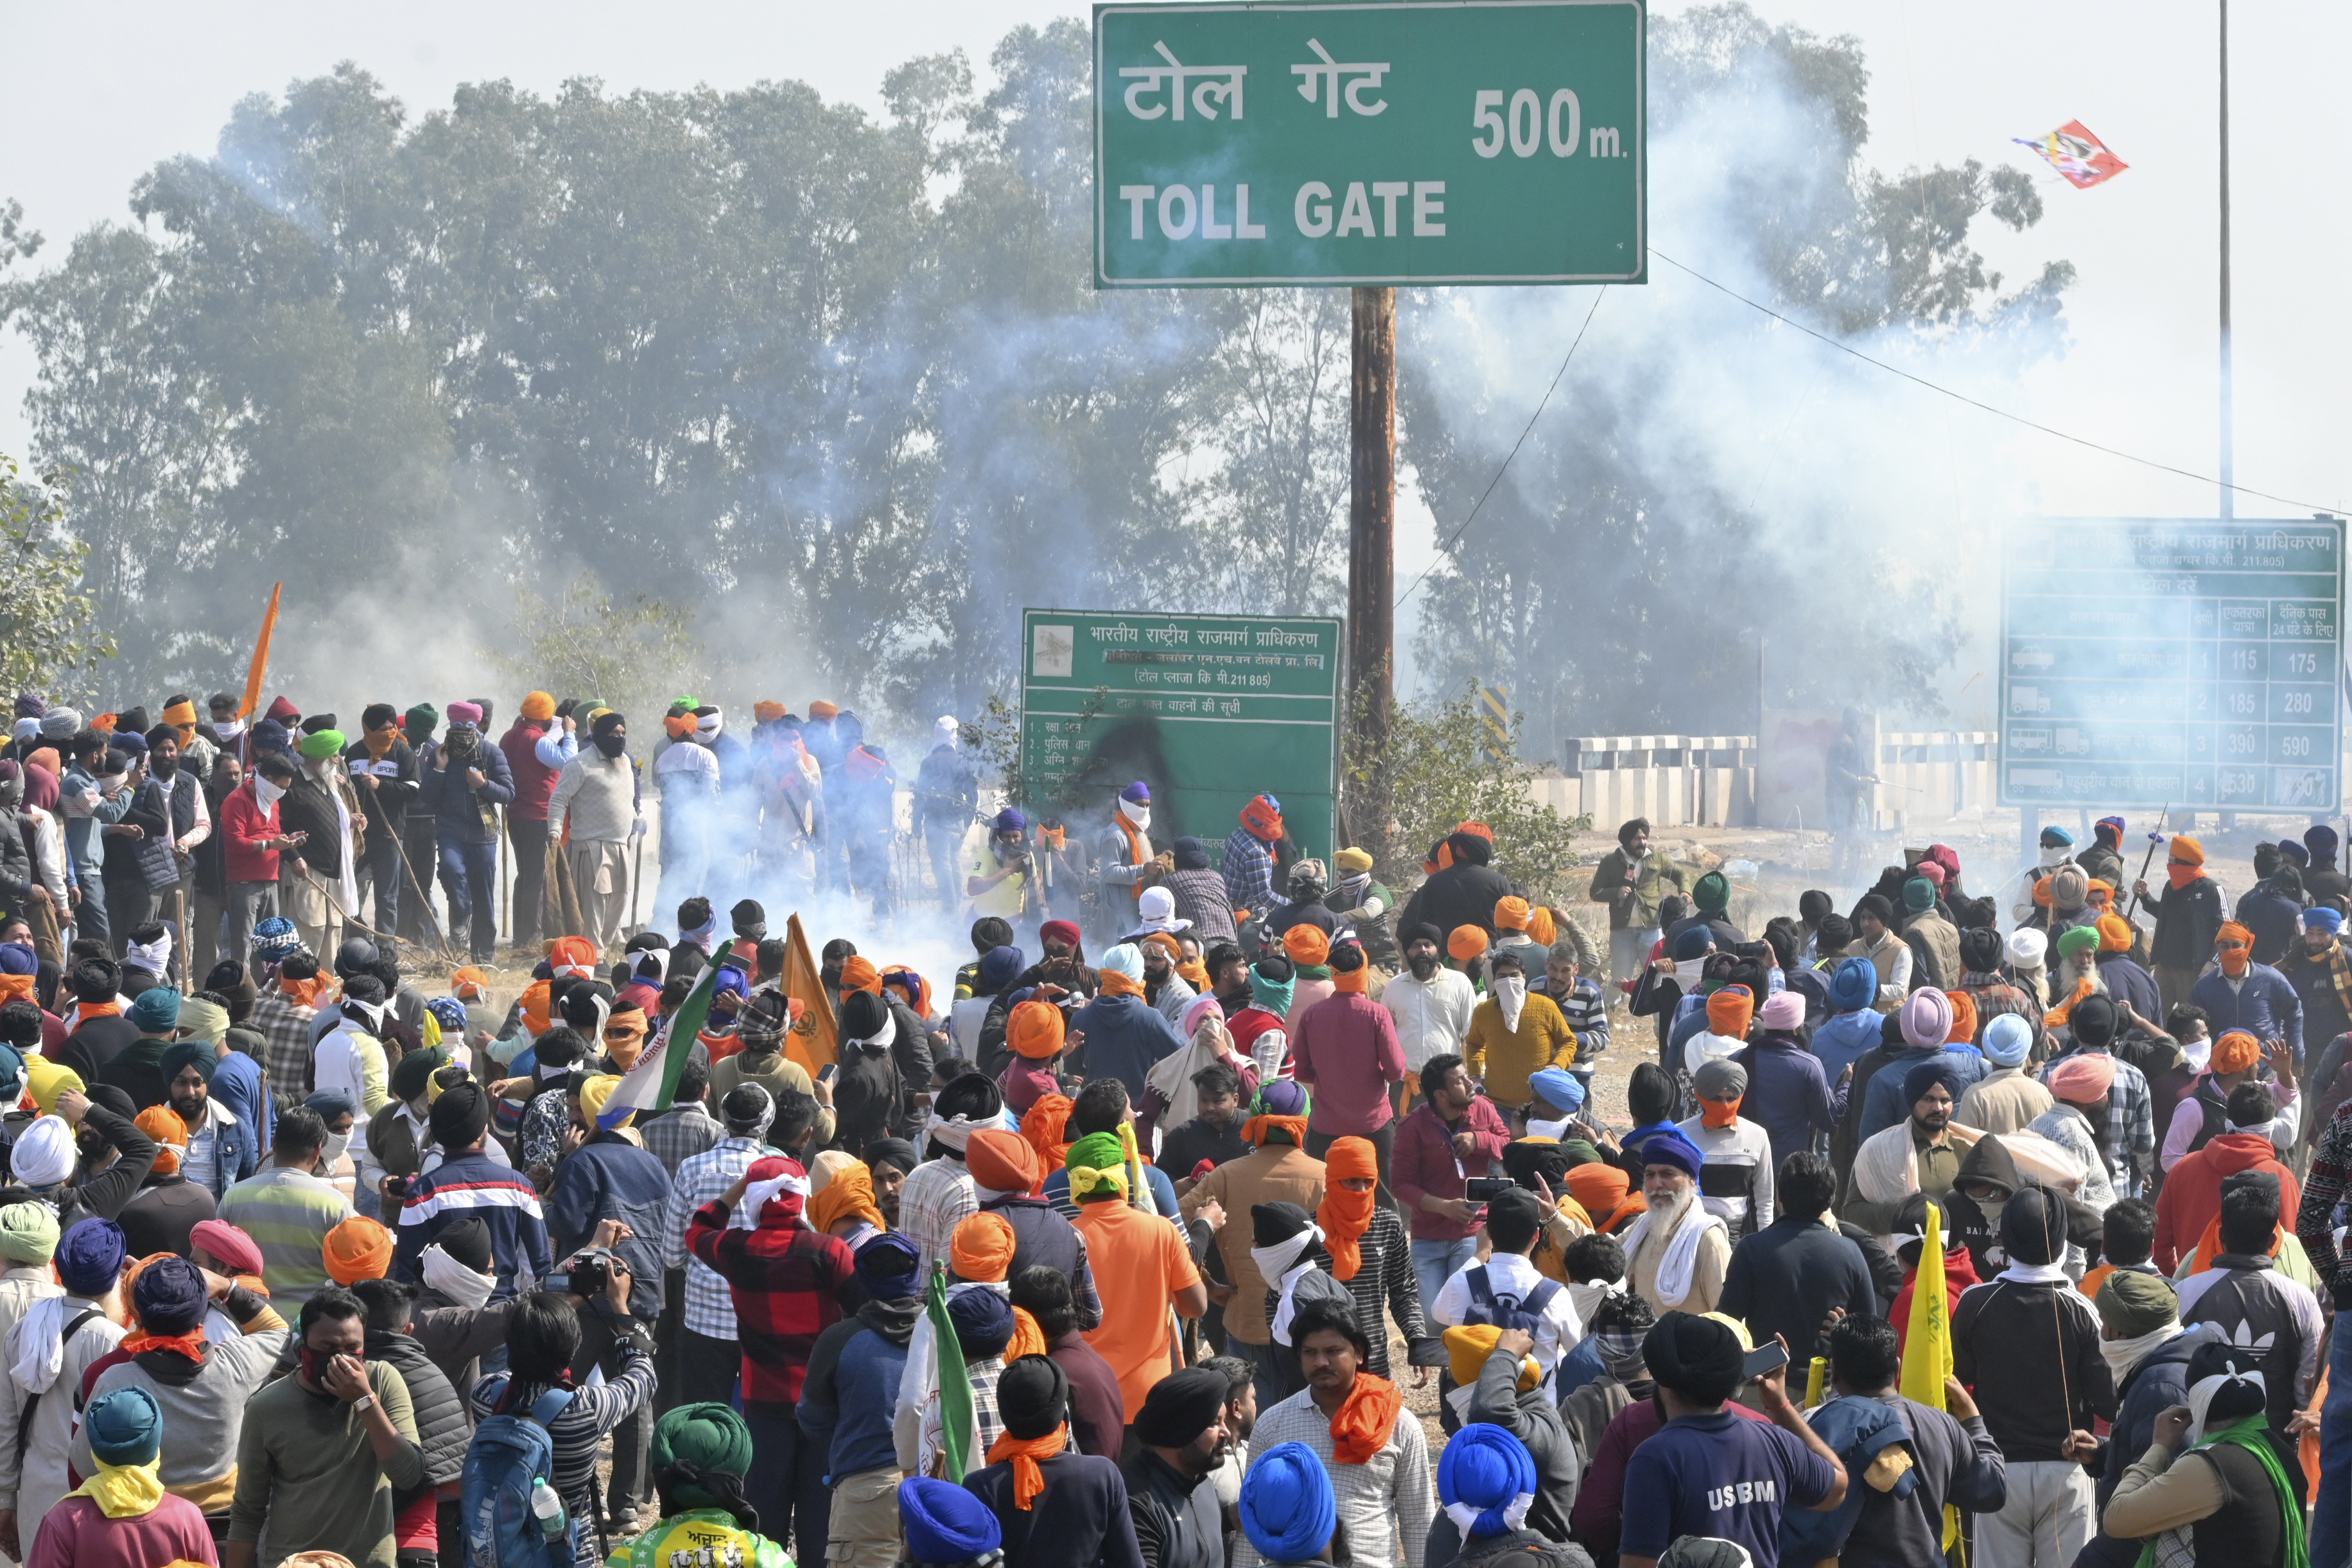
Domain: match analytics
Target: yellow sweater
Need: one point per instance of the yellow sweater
(1506, 1058)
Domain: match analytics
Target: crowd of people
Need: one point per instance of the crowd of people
(1938, 1229)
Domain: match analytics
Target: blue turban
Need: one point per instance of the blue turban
(1269, 995)
(1487, 1481)
(1694, 943)
(270, 736)
(1559, 1088)
(731, 980)
(12, 1073)
(888, 1287)
(125, 1427)
(1854, 985)
(2323, 919)
(178, 1058)
(2007, 1039)
(18, 958)
(2289, 849)
(945, 1523)
(1010, 820)
(330, 1103)
(984, 1322)
(1670, 1147)
(450, 1013)
(2056, 837)
(156, 1011)
(1280, 1097)
(1000, 967)
(170, 1296)
(2321, 840)
(1925, 1075)
(1287, 1509)
(129, 745)
(1138, 791)
(274, 937)
(89, 1256)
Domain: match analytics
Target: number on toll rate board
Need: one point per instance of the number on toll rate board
(1388, 142)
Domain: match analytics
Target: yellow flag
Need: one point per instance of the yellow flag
(1927, 1339)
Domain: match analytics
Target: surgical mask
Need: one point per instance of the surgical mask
(268, 793)
(229, 731)
(2054, 855)
(338, 1144)
(612, 745)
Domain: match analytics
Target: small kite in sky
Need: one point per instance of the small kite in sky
(2080, 157)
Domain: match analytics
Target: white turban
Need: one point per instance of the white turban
(45, 1153)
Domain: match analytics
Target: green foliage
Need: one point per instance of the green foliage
(994, 738)
(1440, 774)
(49, 636)
(633, 653)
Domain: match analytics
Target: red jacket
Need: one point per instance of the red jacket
(2191, 1198)
(246, 830)
(1425, 1162)
(534, 781)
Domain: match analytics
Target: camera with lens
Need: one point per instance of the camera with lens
(590, 1274)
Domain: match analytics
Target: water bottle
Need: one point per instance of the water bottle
(546, 1509)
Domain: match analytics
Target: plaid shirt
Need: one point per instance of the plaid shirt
(679, 1134)
(2131, 1127)
(285, 1029)
(783, 1283)
(2324, 1187)
(1249, 873)
(710, 1305)
(1994, 995)
(939, 1196)
(1379, 1503)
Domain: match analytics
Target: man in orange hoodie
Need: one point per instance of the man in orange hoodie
(2191, 1198)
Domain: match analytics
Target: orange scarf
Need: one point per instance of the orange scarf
(1196, 975)
(12, 986)
(1042, 1128)
(1718, 1112)
(1114, 984)
(1345, 1216)
(190, 1345)
(1139, 853)
(2056, 1018)
(1028, 1339)
(84, 1011)
(2209, 1245)
(1362, 1428)
(304, 993)
(1028, 1481)
(1255, 1128)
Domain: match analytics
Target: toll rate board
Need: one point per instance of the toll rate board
(2147, 662)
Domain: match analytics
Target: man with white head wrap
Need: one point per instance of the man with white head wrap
(2238, 1502)
(709, 1356)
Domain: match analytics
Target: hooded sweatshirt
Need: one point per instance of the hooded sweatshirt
(2028, 1343)
(852, 1387)
(2191, 1197)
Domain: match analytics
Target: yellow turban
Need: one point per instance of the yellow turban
(48, 1079)
(595, 1092)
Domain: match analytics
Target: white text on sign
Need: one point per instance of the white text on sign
(1532, 125)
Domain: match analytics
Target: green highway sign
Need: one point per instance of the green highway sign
(1369, 142)
(1208, 710)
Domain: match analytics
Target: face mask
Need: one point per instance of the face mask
(1138, 817)
(2235, 961)
(314, 1364)
(2053, 856)
(268, 793)
(1718, 1112)
(229, 731)
(459, 744)
(338, 1144)
(612, 745)
(2181, 876)
(1688, 970)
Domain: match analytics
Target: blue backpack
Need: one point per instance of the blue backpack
(510, 1458)
(1507, 1311)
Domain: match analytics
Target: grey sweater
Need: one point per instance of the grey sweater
(202, 1402)
(1534, 1420)
(597, 796)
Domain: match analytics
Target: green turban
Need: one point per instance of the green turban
(423, 716)
(179, 1057)
(2077, 941)
(1711, 894)
(707, 1439)
(414, 1076)
(1097, 1164)
(325, 743)
(28, 1233)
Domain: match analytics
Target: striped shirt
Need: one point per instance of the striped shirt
(709, 1302)
(578, 1429)
(940, 1196)
(287, 1212)
(1384, 1287)
(1390, 1497)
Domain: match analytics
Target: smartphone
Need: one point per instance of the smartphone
(1763, 1360)
(828, 1072)
(1482, 1189)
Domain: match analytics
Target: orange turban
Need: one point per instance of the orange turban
(680, 726)
(1511, 914)
(536, 1015)
(2188, 849)
(1306, 944)
(539, 706)
(1000, 1161)
(1466, 943)
(2114, 935)
(2234, 1052)
(573, 956)
(358, 1249)
(1042, 1126)
(1477, 830)
(980, 1250)
(766, 712)
(1165, 944)
(1730, 1012)
(1542, 929)
(1605, 1193)
(850, 1194)
(163, 1123)
(2101, 896)
(821, 709)
(1346, 1215)
(859, 975)
(1964, 1019)
(1035, 1030)
(469, 985)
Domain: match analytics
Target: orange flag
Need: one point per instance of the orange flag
(815, 1042)
(260, 656)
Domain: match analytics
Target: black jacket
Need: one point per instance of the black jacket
(2187, 920)
(309, 806)
(1460, 895)
(386, 804)
(1178, 1523)
(445, 1427)
(2018, 1346)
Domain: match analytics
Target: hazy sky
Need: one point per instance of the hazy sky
(103, 93)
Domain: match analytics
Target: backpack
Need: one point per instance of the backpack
(1507, 1311)
(510, 1457)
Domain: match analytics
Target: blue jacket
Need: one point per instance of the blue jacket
(474, 1183)
(1885, 1105)
(236, 1084)
(1841, 1039)
(453, 800)
(2263, 1004)
(2159, 1382)
(2275, 919)
(2128, 981)
(1125, 1037)
(849, 1395)
(1787, 1095)
(612, 1178)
